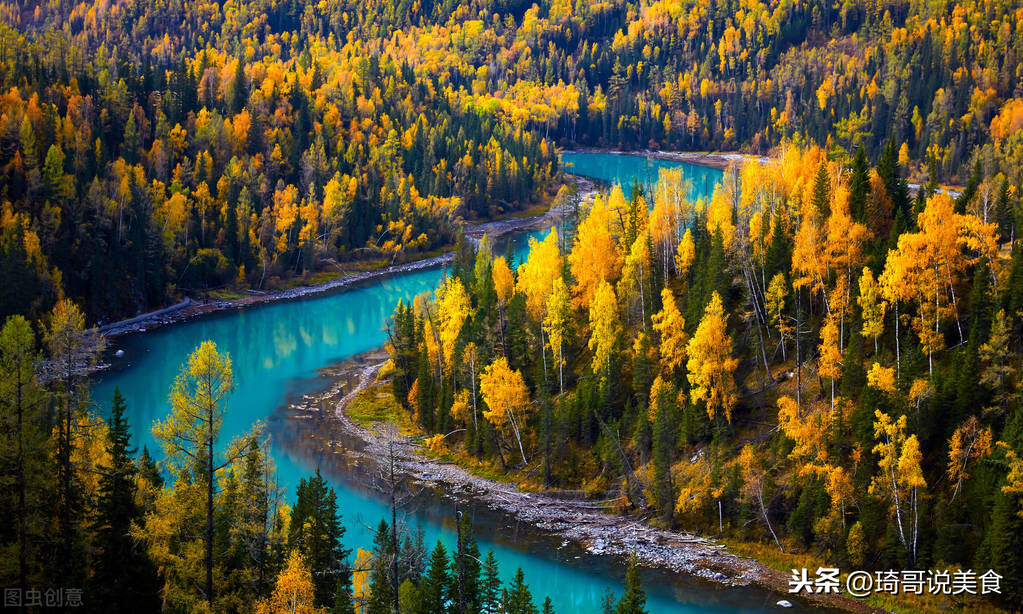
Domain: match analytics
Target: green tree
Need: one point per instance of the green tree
(634, 599)
(516, 599)
(73, 351)
(317, 532)
(125, 578)
(437, 584)
(490, 586)
(381, 594)
(25, 445)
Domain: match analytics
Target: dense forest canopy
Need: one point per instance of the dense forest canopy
(197, 145)
(812, 359)
(821, 359)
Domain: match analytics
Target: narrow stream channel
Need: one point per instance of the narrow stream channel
(278, 348)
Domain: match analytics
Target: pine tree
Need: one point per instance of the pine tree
(239, 87)
(381, 594)
(634, 599)
(24, 446)
(16, 275)
(317, 532)
(664, 437)
(343, 599)
(73, 350)
(859, 186)
(516, 599)
(470, 566)
(490, 586)
(821, 197)
(125, 579)
(436, 586)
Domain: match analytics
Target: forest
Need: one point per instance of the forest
(814, 359)
(192, 147)
(821, 359)
(207, 528)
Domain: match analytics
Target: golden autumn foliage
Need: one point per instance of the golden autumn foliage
(507, 399)
(931, 261)
(452, 310)
(686, 253)
(594, 257)
(872, 305)
(711, 365)
(881, 378)
(670, 325)
(970, 441)
(605, 328)
(556, 323)
(809, 429)
(361, 568)
(1013, 481)
(504, 280)
(536, 275)
(293, 592)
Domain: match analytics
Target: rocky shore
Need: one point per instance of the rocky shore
(583, 522)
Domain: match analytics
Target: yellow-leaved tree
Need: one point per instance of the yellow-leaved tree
(504, 287)
(671, 326)
(594, 257)
(711, 365)
(556, 324)
(753, 478)
(507, 398)
(881, 378)
(1013, 481)
(452, 310)
(872, 306)
(361, 570)
(536, 279)
(605, 328)
(685, 254)
(293, 593)
(899, 474)
(969, 441)
(536, 275)
(777, 290)
(830, 355)
(190, 436)
(927, 266)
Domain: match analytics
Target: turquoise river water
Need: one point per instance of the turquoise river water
(278, 348)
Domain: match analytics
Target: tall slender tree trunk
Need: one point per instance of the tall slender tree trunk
(799, 360)
(65, 465)
(22, 513)
(763, 512)
(394, 532)
(209, 512)
(898, 345)
(394, 535)
(543, 350)
(460, 562)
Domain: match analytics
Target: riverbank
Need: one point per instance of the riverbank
(718, 160)
(577, 520)
(723, 160)
(188, 309)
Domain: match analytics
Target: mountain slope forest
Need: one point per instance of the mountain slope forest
(150, 149)
(815, 360)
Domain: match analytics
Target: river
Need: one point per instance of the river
(276, 351)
